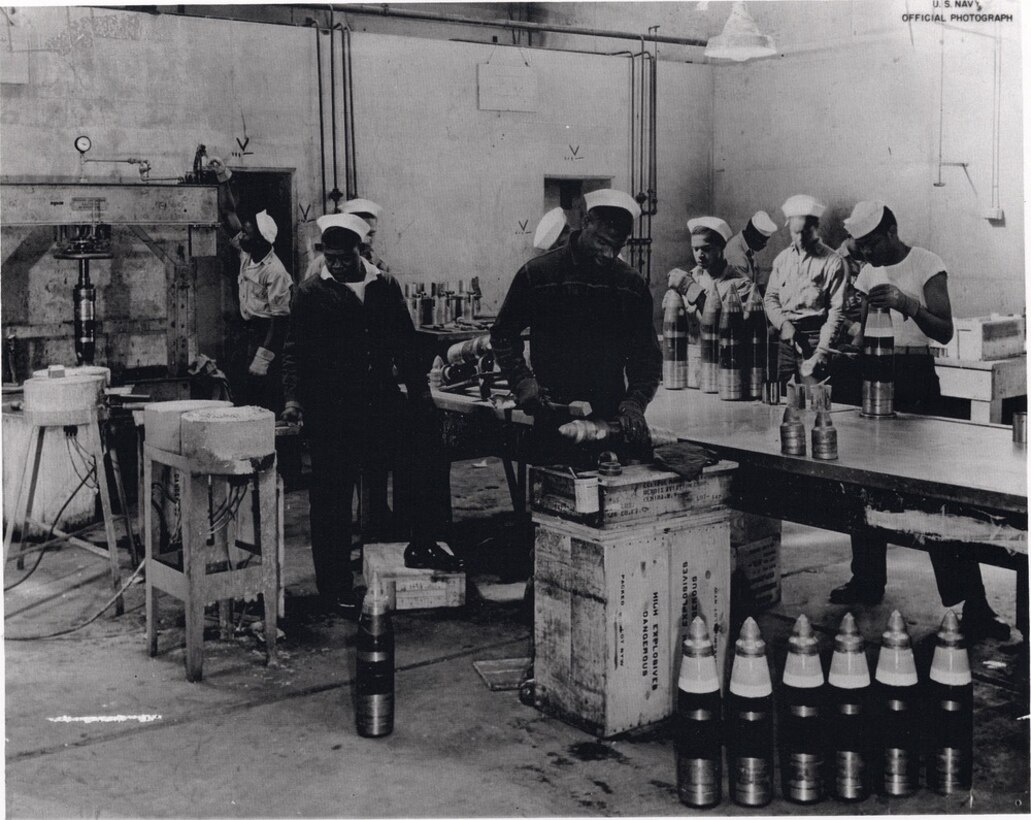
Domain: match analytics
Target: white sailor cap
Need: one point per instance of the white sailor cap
(802, 205)
(549, 229)
(866, 216)
(761, 222)
(611, 198)
(266, 226)
(362, 206)
(712, 223)
(349, 222)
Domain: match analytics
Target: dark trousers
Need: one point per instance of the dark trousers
(958, 577)
(258, 391)
(788, 360)
(387, 434)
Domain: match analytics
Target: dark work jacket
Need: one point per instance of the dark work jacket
(339, 354)
(592, 336)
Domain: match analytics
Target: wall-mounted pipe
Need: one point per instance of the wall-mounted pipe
(554, 28)
(322, 118)
(287, 15)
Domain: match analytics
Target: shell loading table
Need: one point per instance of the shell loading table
(919, 480)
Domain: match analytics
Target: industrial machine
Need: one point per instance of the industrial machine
(176, 220)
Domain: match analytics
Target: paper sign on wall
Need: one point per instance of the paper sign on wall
(506, 87)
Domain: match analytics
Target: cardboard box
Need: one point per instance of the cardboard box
(642, 493)
(383, 565)
(611, 609)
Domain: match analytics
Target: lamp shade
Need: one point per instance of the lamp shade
(740, 39)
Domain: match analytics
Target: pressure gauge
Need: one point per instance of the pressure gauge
(83, 144)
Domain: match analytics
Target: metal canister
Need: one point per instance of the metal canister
(374, 676)
(792, 433)
(878, 364)
(731, 362)
(1020, 427)
(426, 310)
(825, 437)
(674, 341)
(458, 372)
(757, 341)
(710, 342)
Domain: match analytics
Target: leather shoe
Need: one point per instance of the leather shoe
(430, 555)
(856, 593)
(348, 605)
(979, 622)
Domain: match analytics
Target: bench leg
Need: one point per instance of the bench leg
(1022, 601)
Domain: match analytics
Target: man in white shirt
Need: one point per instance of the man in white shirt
(912, 283)
(804, 294)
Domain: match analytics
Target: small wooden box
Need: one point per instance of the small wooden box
(384, 566)
(642, 493)
(611, 609)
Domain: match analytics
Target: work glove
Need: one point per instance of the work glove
(808, 368)
(787, 332)
(684, 283)
(292, 413)
(529, 396)
(262, 359)
(889, 296)
(222, 172)
(632, 422)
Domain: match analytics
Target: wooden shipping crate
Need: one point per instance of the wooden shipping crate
(383, 565)
(642, 493)
(611, 609)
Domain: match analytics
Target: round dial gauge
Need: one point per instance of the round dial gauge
(83, 144)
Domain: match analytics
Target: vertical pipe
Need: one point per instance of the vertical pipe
(322, 119)
(352, 192)
(333, 115)
(343, 99)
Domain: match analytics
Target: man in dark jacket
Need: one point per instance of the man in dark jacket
(349, 327)
(592, 336)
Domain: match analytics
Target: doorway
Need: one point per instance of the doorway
(218, 304)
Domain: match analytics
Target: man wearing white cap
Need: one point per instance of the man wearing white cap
(349, 329)
(744, 245)
(805, 291)
(264, 287)
(551, 230)
(709, 236)
(370, 213)
(912, 284)
(591, 331)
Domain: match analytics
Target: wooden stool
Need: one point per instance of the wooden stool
(41, 422)
(212, 567)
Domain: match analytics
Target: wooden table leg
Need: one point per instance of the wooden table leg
(195, 530)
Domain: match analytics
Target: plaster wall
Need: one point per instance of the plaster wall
(463, 188)
(859, 116)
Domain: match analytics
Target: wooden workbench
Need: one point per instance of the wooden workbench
(918, 479)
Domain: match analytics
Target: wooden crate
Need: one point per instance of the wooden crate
(642, 493)
(611, 609)
(384, 566)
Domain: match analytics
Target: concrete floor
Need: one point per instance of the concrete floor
(254, 741)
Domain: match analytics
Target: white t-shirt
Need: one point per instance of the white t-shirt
(910, 275)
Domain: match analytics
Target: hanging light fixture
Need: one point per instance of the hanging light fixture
(740, 39)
